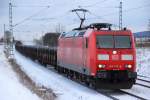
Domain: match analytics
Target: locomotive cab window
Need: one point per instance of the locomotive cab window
(104, 41)
(62, 35)
(81, 34)
(122, 41)
(110, 41)
(70, 34)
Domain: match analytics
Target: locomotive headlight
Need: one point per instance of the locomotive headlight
(114, 52)
(128, 66)
(101, 66)
(127, 57)
(103, 57)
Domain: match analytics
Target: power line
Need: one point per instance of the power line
(113, 13)
(91, 5)
(135, 8)
(149, 25)
(20, 6)
(10, 51)
(97, 16)
(43, 19)
(53, 18)
(128, 10)
(28, 18)
(120, 16)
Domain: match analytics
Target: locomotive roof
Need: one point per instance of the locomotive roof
(95, 25)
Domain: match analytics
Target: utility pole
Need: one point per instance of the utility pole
(4, 29)
(4, 38)
(120, 16)
(10, 44)
(149, 25)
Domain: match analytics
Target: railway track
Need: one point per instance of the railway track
(142, 85)
(83, 84)
(143, 80)
(104, 92)
(113, 97)
(108, 95)
(90, 87)
(133, 95)
(143, 76)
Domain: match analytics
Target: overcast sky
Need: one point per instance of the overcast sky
(43, 19)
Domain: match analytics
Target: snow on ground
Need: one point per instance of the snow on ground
(143, 82)
(140, 91)
(69, 90)
(143, 68)
(63, 87)
(10, 87)
(143, 61)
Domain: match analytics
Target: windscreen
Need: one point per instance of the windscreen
(122, 42)
(110, 41)
(105, 42)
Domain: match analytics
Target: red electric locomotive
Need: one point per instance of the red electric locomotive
(104, 57)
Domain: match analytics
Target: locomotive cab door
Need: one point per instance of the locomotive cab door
(84, 55)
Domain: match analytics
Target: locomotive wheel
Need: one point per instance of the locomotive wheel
(67, 73)
(71, 74)
(87, 83)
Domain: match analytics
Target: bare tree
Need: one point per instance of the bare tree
(38, 41)
(59, 28)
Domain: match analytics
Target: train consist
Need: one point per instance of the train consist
(96, 55)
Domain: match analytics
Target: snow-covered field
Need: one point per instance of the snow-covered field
(143, 61)
(10, 87)
(67, 89)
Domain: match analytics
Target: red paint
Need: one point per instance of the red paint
(73, 51)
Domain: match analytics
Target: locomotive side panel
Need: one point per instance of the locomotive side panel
(72, 54)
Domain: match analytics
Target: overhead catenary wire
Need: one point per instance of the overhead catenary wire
(43, 19)
(38, 13)
(60, 17)
(100, 17)
(28, 18)
(22, 6)
(128, 10)
(113, 13)
(94, 4)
